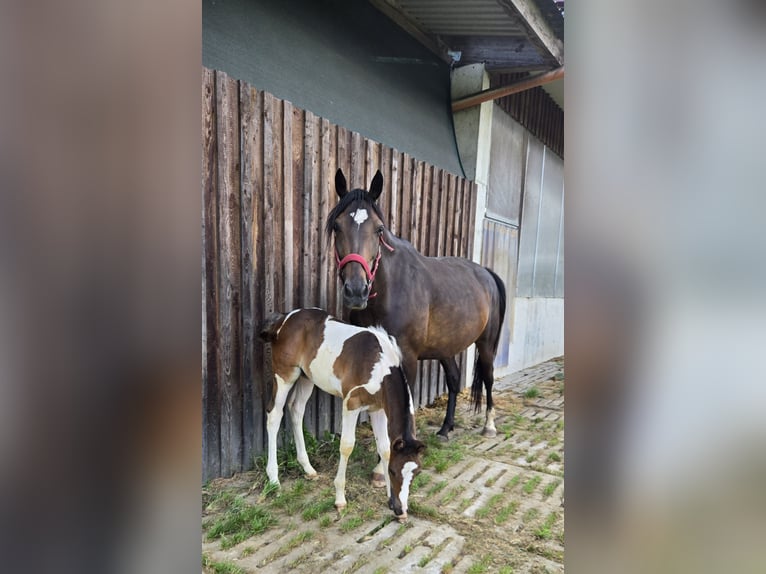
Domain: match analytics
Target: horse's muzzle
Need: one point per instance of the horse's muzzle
(355, 294)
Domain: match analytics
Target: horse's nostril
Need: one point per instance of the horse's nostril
(347, 290)
(365, 290)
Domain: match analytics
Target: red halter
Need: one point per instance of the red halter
(355, 257)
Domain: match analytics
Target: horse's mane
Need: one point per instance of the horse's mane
(352, 196)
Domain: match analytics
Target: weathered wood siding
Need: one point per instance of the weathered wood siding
(268, 172)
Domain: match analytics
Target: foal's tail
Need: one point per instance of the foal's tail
(479, 376)
(270, 327)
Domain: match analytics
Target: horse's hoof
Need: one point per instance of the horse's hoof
(442, 437)
(312, 476)
(340, 507)
(402, 517)
(378, 480)
(489, 433)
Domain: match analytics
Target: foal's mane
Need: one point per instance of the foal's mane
(352, 196)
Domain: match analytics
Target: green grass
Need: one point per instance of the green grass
(324, 451)
(531, 514)
(423, 509)
(531, 393)
(380, 570)
(544, 532)
(481, 566)
(317, 508)
(550, 488)
(325, 521)
(531, 484)
(490, 504)
(506, 512)
(441, 457)
(292, 544)
(239, 522)
(506, 570)
(222, 567)
(420, 481)
(351, 523)
(465, 503)
(512, 483)
(247, 551)
(452, 494)
(436, 488)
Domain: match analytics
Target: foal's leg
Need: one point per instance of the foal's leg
(297, 406)
(273, 421)
(379, 422)
(452, 374)
(410, 368)
(486, 364)
(347, 439)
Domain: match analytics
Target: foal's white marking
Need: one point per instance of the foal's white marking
(360, 216)
(407, 475)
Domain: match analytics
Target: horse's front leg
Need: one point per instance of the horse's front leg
(452, 374)
(273, 421)
(347, 439)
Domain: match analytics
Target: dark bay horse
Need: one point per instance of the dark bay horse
(435, 306)
(360, 365)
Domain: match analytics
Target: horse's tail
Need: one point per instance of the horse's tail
(478, 372)
(270, 326)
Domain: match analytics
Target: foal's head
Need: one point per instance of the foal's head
(403, 466)
(357, 225)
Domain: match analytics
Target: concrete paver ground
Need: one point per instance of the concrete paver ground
(480, 504)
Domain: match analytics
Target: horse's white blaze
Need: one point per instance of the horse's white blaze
(359, 216)
(407, 475)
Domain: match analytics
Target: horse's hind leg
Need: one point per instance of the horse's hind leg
(487, 370)
(452, 373)
(273, 420)
(297, 406)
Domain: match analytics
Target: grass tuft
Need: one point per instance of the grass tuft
(544, 532)
(239, 522)
(550, 488)
(506, 512)
(481, 566)
(531, 484)
(532, 393)
(317, 508)
(351, 523)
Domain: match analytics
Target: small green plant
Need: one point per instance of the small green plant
(436, 488)
(351, 523)
(550, 488)
(481, 566)
(544, 532)
(269, 489)
(532, 393)
(512, 483)
(224, 567)
(506, 512)
(506, 570)
(490, 504)
(325, 521)
(423, 509)
(380, 570)
(452, 494)
(317, 508)
(440, 457)
(465, 503)
(531, 484)
(420, 481)
(531, 514)
(247, 551)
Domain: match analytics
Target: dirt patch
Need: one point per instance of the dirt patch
(480, 504)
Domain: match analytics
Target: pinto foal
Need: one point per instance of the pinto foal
(360, 365)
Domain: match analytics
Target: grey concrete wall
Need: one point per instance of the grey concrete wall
(342, 60)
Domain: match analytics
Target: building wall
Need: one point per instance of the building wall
(344, 61)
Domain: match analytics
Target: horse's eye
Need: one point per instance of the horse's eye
(380, 230)
(335, 227)
(391, 471)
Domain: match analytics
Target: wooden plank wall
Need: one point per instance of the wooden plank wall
(268, 172)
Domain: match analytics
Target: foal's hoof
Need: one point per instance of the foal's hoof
(489, 433)
(340, 507)
(378, 480)
(402, 517)
(442, 437)
(311, 476)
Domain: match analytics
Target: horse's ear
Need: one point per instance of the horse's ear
(376, 187)
(398, 445)
(340, 183)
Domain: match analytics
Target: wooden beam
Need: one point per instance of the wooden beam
(494, 93)
(539, 30)
(404, 21)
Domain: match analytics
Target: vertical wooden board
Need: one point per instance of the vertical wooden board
(325, 176)
(464, 212)
(425, 210)
(249, 133)
(356, 177)
(326, 164)
(458, 218)
(433, 222)
(406, 198)
(396, 185)
(211, 420)
(291, 247)
(229, 231)
(329, 167)
(277, 187)
(298, 193)
(417, 202)
(447, 221)
(471, 218)
(385, 168)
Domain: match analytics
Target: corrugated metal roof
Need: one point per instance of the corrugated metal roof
(461, 18)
